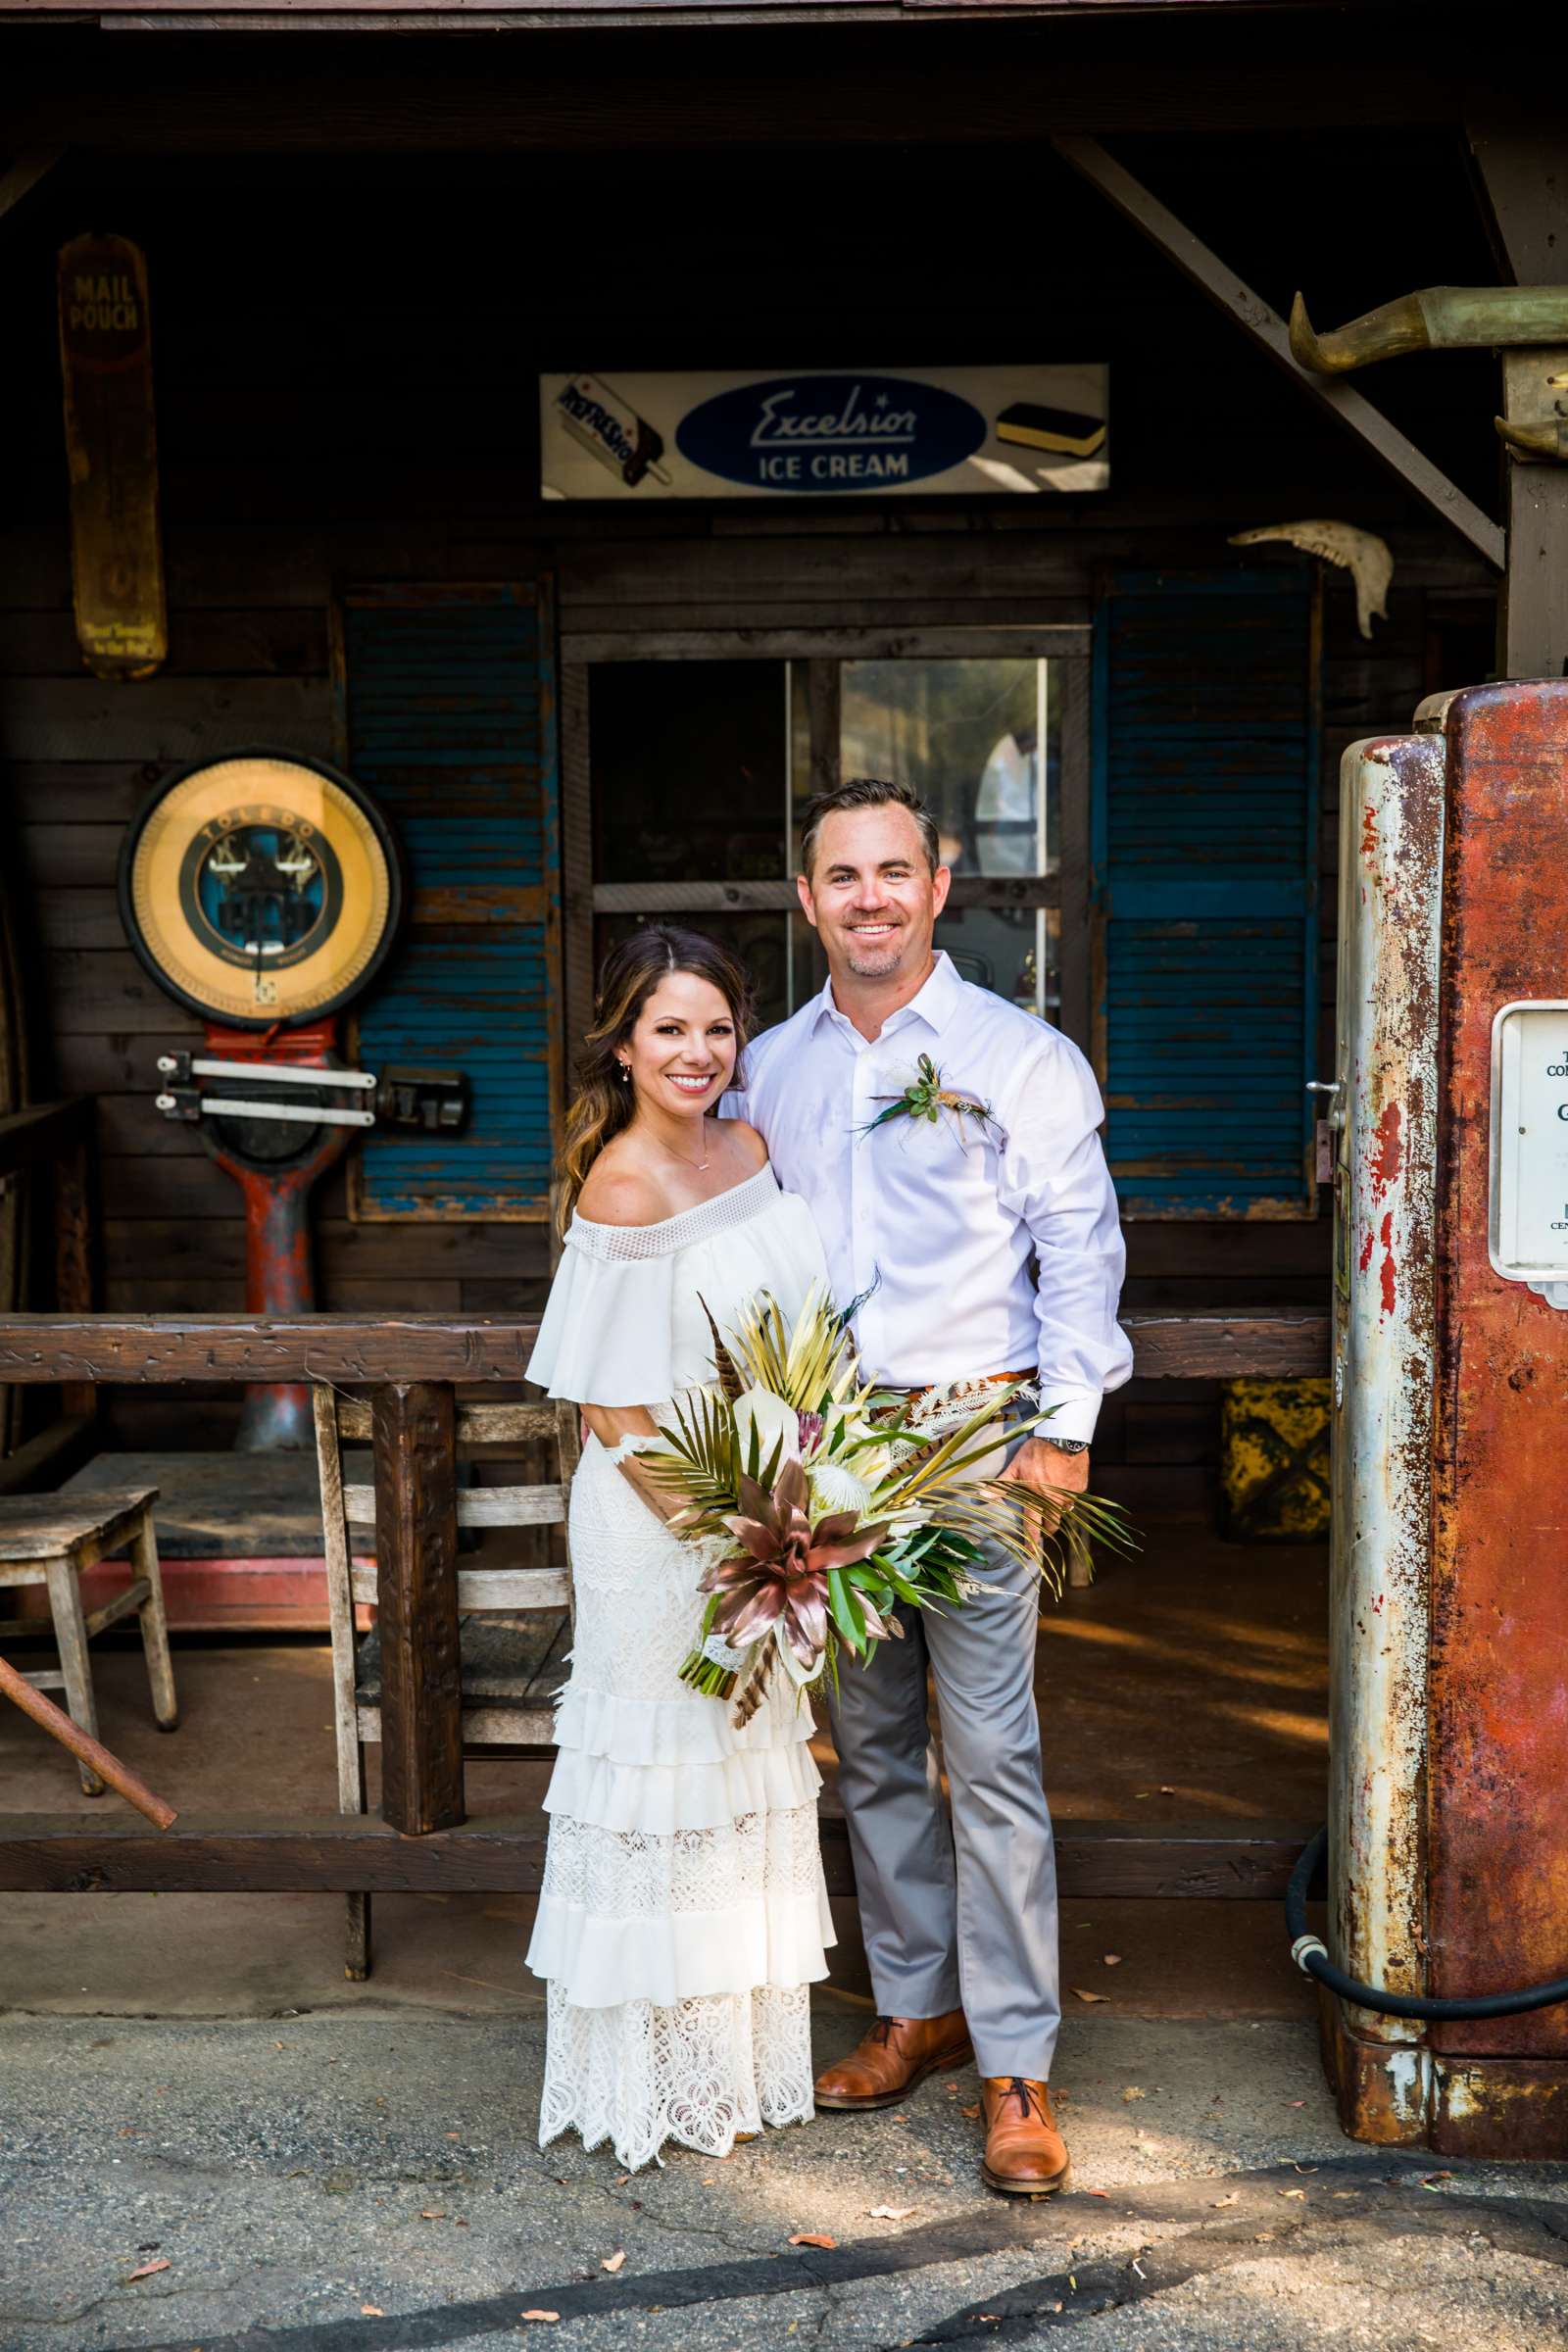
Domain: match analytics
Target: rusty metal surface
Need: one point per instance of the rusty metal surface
(1497, 1826)
(1390, 866)
(1508, 2107)
(1382, 2089)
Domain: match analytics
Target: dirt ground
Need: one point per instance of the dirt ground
(209, 2140)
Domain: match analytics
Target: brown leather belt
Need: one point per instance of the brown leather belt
(982, 1380)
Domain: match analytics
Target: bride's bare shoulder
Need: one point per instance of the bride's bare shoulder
(747, 1144)
(619, 1195)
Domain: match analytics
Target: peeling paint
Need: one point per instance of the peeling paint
(1392, 795)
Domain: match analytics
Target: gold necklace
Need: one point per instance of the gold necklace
(697, 1164)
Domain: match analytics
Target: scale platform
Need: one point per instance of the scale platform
(240, 1536)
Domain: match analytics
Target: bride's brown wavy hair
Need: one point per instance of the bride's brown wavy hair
(602, 1103)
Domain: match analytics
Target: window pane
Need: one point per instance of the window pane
(980, 739)
(967, 736)
(761, 941)
(690, 767)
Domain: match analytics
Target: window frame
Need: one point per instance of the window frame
(822, 652)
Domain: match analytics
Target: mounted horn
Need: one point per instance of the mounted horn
(1438, 319)
(1547, 443)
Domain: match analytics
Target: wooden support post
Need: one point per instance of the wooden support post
(1523, 178)
(417, 1576)
(74, 1256)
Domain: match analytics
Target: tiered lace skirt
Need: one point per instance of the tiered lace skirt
(683, 1916)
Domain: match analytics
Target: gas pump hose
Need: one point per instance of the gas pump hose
(1310, 1954)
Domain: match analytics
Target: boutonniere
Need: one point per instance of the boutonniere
(926, 1098)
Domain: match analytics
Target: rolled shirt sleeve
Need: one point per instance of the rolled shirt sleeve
(1052, 1175)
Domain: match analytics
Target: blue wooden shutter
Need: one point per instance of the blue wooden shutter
(448, 716)
(1205, 869)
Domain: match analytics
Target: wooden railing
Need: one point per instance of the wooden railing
(411, 1367)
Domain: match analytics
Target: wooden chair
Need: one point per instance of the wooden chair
(509, 1670)
(49, 1540)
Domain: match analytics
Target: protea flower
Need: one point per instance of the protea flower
(778, 1584)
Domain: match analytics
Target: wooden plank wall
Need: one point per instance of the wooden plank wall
(322, 426)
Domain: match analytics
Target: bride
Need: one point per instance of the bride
(683, 1916)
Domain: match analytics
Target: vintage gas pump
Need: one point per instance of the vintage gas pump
(1449, 1839)
(263, 891)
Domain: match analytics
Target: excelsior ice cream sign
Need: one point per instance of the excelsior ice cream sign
(821, 433)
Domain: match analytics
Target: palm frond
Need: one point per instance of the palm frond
(729, 1379)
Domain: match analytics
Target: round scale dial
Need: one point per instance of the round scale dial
(260, 888)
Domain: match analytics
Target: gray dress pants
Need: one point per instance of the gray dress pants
(956, 1913)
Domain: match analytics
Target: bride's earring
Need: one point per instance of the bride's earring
(625, 1072)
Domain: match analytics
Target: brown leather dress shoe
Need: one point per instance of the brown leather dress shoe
(1025, 2154)
(888, 2062)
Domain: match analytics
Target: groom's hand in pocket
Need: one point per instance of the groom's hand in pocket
(1056, 1476)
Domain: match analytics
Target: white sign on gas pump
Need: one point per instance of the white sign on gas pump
(1528, 1221)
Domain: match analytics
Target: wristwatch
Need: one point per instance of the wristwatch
(1064, 1444)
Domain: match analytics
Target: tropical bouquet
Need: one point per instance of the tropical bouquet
(837, 1500)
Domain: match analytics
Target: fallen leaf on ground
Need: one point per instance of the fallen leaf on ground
(890, 2213)
(1090, 1996)
(971, 2110)
(1098, 2192)
(538, 2315)
(1305, 2168)
(1296, 2102)
(621, 2181)
(433, 2213)
(1427, 2179)
(1114, 1959)
(812, 2238)
(454, 2135)
(1234, 2198)
(371, 2310)
(1293, 2192)
(1132, 2091)
(146, 2269)
(612, 2262)
(709, 2182)
(1166, 1789)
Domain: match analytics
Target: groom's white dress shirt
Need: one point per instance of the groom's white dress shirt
(991, 1248)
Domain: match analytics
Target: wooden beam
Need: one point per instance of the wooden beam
(1277, 1346)
(355, 1854)
(1268, 331)
(50, 1456)
(416, 1591)
(141, 1351)
(25, 174)
(37, 1135)
(727, 897)
(352, 1349)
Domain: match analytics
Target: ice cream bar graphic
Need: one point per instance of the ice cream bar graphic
(1065, 431)
(613, 431)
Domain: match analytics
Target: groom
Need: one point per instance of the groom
(989, 1252)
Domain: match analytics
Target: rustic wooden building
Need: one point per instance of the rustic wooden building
(362, 255)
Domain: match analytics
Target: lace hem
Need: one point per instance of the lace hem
(663, 1798)
(694, 2072)
(686, 1730)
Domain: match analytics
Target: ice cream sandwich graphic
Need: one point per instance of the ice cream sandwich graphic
(1065, 432)
(611, 430)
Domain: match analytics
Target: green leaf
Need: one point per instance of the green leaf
(847, 1612)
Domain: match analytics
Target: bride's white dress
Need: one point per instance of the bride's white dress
(683, 1916)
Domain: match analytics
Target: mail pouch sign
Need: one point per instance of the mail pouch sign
(818, 433)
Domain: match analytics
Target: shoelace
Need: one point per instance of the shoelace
(882, 2028)
(1018, 2086)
